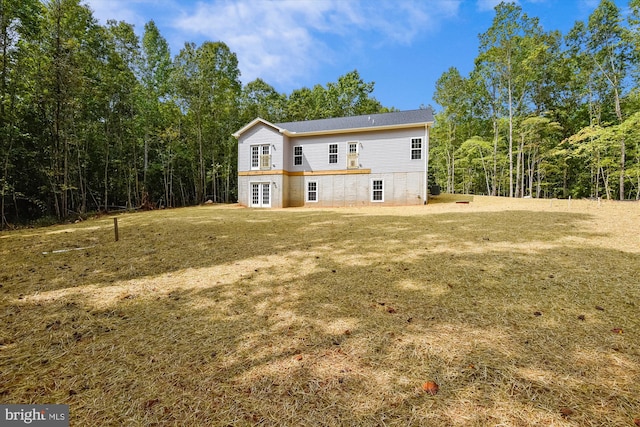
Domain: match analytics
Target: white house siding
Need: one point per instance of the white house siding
(380, 151)
(259, 135)
(382, 154)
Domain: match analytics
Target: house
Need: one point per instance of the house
(374, 159)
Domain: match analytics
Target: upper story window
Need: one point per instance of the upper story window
(261, 156)
(416, 148)
(352, 155)
(297, 155)
(353, 148)
(333, 153)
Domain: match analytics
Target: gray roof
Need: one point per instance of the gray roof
(356, 122)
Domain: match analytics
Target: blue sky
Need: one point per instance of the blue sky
(403, 46)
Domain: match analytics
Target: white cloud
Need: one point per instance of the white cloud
(283, 41)
(280, 41)
(120, 10)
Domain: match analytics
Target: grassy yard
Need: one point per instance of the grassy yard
(524, 312)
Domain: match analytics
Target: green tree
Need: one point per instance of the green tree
(602, 51)
(67, 58)
(259, 99)
(510, 48)
(19, 22)
(208, 87)
(154, 72)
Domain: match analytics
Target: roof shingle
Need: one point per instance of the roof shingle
(358, 122)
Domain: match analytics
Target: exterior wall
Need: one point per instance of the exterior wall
(382, 155)
(380, 151)
(261, 134)
(277, 182)
(400, 188)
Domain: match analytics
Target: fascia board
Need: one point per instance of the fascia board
(355, 130)
(253, 123)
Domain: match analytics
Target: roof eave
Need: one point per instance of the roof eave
(356, 130)
(253, 123)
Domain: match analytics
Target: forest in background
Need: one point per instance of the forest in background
(94, 118)
(544, 114)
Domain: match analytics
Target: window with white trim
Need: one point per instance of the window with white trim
(352, 155)
(297, 155)
(416, 148)
(333, 153)
(255, 156)
(377, 190)
(261, 156)
(353, 148)
(312, 191)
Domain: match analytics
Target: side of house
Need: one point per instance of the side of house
(356, 161)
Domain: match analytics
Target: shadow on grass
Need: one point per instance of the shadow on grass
(319, 318)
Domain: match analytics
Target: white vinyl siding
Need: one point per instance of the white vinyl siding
(416, 148)
(377, 190)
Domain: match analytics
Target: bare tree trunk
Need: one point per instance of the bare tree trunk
(494, 189)
(519, 165)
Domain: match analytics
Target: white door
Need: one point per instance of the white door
(260, 194)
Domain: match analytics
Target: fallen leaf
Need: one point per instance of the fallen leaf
(581, 317)
(391, 310)
(617, 330)
(636, 421)
(150, 403)
(599, 308)
(566, 411)
(298, 357)
(431, 387)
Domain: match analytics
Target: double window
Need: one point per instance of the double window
(416, 148)
(297, 155)
(377, 190)
(312, 191)
(261, 157)
(333, 153)
(260, 194)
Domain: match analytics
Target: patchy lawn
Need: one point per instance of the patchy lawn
(524, 312)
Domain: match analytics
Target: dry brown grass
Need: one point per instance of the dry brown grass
(220, 315)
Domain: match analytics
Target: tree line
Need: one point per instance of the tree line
(544, 114)
(94, 118)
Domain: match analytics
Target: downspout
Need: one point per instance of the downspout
(426, 163)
